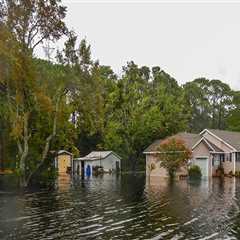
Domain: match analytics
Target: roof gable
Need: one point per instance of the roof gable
(230, 138)
(211, 146)
(60, 152)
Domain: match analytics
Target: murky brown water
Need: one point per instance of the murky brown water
(124, 208)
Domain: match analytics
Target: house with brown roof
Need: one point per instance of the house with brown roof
(210, 148)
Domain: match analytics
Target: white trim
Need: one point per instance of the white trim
(64, 151)
(153, 152)
(164, 152)
(220, 152)
(55, 163)
(202, 139)
(234, 161)
(220, 139)
(204, 130)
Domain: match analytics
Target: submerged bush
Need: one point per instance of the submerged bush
(194, 172)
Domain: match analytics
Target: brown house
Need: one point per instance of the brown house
(210, 149)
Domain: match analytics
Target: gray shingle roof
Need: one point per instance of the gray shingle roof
(215, 148)
(97, 155)
(190, 139)
(232, 138)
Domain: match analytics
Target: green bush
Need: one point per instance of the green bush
(237, 174)
(194, 172)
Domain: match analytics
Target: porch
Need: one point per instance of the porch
(225, 163)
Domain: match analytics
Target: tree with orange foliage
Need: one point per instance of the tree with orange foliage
(173, 154)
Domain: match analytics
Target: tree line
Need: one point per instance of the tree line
(77, 104)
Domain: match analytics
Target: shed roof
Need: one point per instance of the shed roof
(60, 152)
(97, 155)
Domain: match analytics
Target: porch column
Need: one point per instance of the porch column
(234, 162)
(211, 165)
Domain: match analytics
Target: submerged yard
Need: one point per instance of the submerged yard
(124, 207)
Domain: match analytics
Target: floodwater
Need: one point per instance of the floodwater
(124, 207)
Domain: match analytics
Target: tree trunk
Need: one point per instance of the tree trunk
(47, 144)
(23, 152)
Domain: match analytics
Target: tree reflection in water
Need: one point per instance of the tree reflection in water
(123, 207)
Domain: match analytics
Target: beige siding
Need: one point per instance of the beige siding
(201, 150)
(229, 166)
(160, 171)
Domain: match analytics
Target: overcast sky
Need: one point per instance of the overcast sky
(185, 38)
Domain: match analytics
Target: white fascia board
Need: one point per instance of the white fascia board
(202, 139)
(220, 139)
(153, 152)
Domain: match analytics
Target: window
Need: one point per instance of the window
(222, 158)
(216, 160)
(238, 157)
(229, 157)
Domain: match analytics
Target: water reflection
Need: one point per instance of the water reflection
(124, 207)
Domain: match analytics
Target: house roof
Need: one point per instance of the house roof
(97, 155)
(215, 148)
(190, 139)
(231, 138)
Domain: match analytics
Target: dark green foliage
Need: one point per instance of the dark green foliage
(97, 110)
(210, 102)
(194, 172)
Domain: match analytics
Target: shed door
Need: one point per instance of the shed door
(203, 164)
(64, 162)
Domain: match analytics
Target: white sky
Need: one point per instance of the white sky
(187, 39)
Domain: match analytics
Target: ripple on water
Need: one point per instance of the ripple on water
(124, 208)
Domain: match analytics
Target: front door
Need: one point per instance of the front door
(202, 162)
(117, 167)
(88, 171)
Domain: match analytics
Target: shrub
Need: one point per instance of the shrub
(237, 174)
(194, 172)
(220, 171)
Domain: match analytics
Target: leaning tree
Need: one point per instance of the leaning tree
(24, 25)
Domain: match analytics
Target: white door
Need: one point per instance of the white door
(202, 162)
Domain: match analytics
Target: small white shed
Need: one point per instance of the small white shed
(107, 160)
